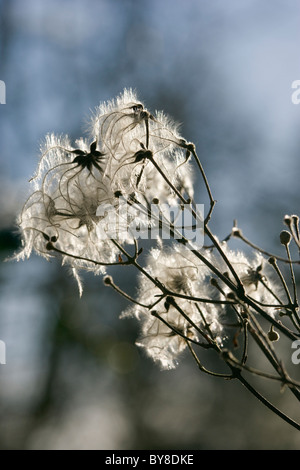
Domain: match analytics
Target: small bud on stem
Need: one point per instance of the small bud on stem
(285, 237)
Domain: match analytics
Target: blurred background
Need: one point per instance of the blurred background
(73, 378)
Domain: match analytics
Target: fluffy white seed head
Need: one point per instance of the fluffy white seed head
(130, 134)
(255, 274)
(79, 191)
(164, 336)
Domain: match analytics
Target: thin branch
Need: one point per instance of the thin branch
(237, 233)
(265, 402)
